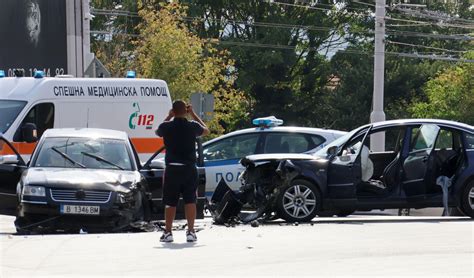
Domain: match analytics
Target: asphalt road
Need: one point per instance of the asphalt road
(363, 245)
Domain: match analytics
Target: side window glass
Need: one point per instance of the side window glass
(393, 138)
(353, 146)
(231, 148)
(287, 143)
(425, 138)
(444, 140)
(42, 115)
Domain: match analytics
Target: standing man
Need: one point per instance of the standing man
(181, 177)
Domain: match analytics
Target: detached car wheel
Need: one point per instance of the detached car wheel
(299, 202)
(467, 200)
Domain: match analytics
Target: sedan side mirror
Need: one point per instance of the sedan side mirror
(157, 164)
(9, 159)
(332, 151)
(29, 132)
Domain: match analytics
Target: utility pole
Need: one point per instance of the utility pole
(377, 142)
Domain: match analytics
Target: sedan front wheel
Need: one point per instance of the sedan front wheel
(299, 202)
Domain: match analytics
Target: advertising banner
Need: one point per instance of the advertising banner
(33, 36)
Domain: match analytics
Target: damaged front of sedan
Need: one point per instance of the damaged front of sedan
(287, 186)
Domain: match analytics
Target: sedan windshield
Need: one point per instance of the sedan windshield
(84, 153)
(9, 110)
(338, 142)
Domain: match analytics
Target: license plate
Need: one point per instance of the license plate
(73, 209)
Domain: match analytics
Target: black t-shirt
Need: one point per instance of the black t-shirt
(179, 137)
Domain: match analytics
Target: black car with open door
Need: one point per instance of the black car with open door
(87, 179)
(413, 163)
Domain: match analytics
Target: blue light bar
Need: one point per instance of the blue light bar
(2, 73)
(39, 74)
(131, 74)
(267, 121)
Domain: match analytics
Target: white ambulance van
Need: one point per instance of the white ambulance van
(136, 106)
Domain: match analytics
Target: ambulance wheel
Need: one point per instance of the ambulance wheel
(467, 200)
(299, 202)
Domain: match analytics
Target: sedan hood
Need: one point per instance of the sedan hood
(279, 156)
(111, 180)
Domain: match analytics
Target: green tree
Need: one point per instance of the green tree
(168, 50)
(450, 95)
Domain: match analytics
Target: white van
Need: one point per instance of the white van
(136, 106)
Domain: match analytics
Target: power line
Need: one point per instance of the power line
(431, 23)
(427, 47)
(261, 24)
(318, 28)
(465, 37)
(399, 54)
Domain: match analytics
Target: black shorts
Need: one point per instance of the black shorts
(180, 180)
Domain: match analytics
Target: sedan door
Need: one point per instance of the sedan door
(11, 168)
(345, 170)
(418, 161)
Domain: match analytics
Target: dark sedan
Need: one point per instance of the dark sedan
(87, 179)
(413, 163)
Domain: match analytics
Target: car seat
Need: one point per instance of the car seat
(390, 175)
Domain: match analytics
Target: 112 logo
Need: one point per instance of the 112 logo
(138, 119)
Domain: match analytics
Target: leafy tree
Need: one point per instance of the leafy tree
(450, 95)
(169, 51)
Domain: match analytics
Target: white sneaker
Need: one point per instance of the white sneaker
(191, 236)
(166, 237)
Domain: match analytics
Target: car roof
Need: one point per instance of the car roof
(448, 123)
(86, 133)
(309, 130)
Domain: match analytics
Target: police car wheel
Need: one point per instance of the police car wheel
(299, 202)
(467, 200)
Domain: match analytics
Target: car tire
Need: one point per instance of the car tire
(19, 223)
(299, 202)
(345, 212)
(467, 200)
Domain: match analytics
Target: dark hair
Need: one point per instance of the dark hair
(179, 107)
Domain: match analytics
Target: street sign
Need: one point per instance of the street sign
(203, 105)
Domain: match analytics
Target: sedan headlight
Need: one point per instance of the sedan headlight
(123, 198)
(32, 190)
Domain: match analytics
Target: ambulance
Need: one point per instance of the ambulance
(136, 106)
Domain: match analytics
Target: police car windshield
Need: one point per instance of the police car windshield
(84, 153)
(9, 110)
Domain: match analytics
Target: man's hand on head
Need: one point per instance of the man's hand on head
(170, 115)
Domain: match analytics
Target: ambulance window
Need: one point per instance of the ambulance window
(42, 115)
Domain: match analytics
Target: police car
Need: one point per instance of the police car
(222, 155)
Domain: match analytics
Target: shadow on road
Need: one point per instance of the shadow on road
(178, 245)
(361, 221)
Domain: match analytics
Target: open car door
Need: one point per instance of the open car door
(153, 171)
(418, 161)
(345, 170)
(11, 167)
